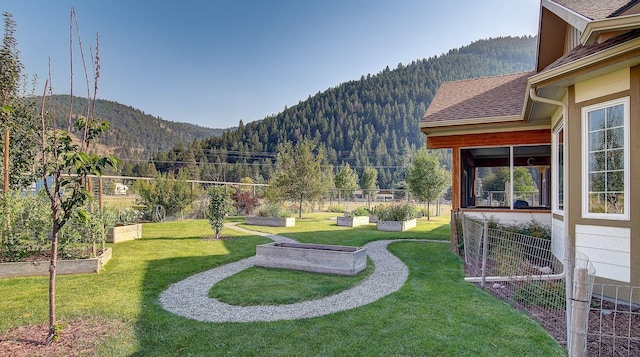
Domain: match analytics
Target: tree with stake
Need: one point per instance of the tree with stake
(426, 179)
(220, 204)
(369, 182)
(68, 164)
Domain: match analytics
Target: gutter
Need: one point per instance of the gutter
(569, 253)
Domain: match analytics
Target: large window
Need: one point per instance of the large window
(558, 169)
(606, 160)
(516, 177)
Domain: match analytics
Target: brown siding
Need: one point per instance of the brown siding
(528, 137)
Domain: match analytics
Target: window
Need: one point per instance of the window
(558, 169)
(516, 177)
(606, 160)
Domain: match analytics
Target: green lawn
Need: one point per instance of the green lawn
(435, 313)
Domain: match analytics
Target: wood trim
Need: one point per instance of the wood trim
(525, 137)
(455, 179)
(634, 151)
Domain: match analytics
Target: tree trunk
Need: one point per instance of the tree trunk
(53, 333)
(428, 210)
(300, 208)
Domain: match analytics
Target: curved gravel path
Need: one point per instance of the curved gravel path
(189, 297)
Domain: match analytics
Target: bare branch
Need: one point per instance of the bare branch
(71, 68)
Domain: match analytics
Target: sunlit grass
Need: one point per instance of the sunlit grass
(434, 313)
(268, 286)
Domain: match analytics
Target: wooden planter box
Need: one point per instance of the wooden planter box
(124, 233)
(396, 226)
(319, 258)
(353, 221)
(271, 221)
(41, 267)
(373, 218)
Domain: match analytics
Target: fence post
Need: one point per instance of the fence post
(485, 244)
(580, 313)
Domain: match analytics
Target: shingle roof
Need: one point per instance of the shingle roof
(595, 9)
(488, 97)
(583, 51)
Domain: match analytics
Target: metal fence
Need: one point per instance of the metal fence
(521, 270)
(119, 191)
(518, 269)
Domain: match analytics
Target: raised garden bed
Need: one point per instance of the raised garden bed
(41, 267)
(319, 258)
(271, 221)
(353, 221)
(124, 233)
(396, 226)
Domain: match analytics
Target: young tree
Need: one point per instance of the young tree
(346, 179)
(369, 181)
(426, 179)
(219, 205)
(301, 173)
(68, 165)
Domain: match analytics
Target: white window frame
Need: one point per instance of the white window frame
(585, 160)
(555, 171)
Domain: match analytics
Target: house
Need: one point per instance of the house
(568, 125)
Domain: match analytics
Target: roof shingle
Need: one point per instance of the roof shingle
(488, 97)
(582, 51)
(595, 9)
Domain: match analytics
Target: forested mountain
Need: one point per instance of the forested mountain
(372, 121)
(133, 135)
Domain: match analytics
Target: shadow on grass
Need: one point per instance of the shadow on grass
(420, 319)
(161, 333)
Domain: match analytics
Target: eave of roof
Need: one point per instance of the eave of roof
(584, 56)
(621, 23)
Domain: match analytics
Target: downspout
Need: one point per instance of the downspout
(569, 251)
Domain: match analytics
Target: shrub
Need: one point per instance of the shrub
(272, 210)
(173, 194)
(25, 229)
(396, 212)
(244, 202)
(531, 228)
(335, 208)
(358, 212)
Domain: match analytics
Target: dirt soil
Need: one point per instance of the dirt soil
(613, 330)
(79, 337)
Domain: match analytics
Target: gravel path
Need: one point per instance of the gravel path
(189, 297)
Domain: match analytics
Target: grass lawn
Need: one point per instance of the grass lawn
(434, 313)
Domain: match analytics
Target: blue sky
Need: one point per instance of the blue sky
(212, 62)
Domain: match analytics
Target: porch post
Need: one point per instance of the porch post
(455, 178)
(455, 195)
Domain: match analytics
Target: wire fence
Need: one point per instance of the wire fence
(120, 192)
(518, 269)
(521, 270)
